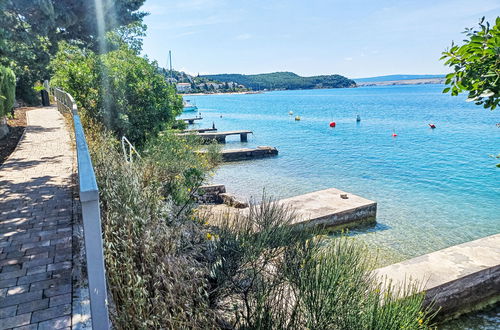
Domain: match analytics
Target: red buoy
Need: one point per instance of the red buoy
(432, 126)
(394, 135)
(332, 124)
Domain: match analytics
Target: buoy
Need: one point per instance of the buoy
(432, 126)
(290, 113)
(394, 135)
(332, 124)
(297, 118)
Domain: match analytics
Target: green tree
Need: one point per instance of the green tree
(30, 32)
(476, 65)
(120, 89)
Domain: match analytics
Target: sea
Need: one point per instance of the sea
(434, 187)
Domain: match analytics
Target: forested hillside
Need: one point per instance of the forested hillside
(284, 80)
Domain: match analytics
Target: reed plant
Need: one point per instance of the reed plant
(155, 256)
(267, 275)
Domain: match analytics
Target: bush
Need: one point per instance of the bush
(155, 253)
(123, 91)
(7, 90)
(266, 275)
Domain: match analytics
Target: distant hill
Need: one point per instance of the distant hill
(284, 80)
(396, 77)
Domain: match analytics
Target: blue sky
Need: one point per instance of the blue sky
(357, 38)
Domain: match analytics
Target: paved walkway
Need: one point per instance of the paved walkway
(36, 227)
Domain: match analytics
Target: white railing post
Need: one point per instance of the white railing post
(89, 198)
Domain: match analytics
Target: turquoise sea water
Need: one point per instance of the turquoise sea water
(434, 188)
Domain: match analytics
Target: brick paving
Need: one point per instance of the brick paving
(36, 227)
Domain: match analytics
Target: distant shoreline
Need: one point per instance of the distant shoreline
(420, 81)
(224, 93)
(423, 81)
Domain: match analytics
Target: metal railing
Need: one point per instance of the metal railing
(89, 198)
(129, 155)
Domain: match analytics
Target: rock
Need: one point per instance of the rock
(231, 200)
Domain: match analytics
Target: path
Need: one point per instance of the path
(36, 226)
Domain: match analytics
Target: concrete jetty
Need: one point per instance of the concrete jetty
(458, 279)
(231, 155)
(330, 209)
(199, 130)
(221, 136)
(191, 121)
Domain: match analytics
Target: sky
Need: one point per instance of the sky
(356, 38)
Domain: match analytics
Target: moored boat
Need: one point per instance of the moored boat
(188, 106)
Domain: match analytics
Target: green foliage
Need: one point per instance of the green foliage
(119, 88)
(7, 90)
(476, 65)
(266, 275)
(155, 253)
(31, 30)
(284, 80)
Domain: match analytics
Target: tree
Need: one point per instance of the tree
(119, 89)
(31, 30)
(476, 65)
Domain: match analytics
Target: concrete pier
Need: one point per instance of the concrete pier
(458, 279)
(200, 130)
(329, 209)
(191, 121)
(221, 136)
(231, 155)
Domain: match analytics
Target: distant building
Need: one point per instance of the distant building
(183, 87)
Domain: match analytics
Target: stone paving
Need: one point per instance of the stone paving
(36, 226)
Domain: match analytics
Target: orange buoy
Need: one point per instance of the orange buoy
(432, 126)
(332, 124)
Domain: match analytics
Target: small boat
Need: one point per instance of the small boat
(432, 126)
(188, 106)
(290, 113)
(358, 118)
(297, 118)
